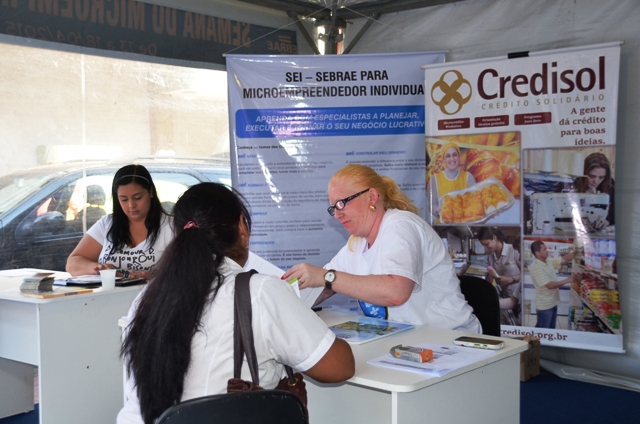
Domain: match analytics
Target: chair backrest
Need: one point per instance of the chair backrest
(483, 298)
(256, 407)
(94, 211)
(95, 195)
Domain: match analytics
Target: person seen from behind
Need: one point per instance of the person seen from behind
(179, 341)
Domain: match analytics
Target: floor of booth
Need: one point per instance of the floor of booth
(543, 399)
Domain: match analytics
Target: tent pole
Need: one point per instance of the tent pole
(373, 17)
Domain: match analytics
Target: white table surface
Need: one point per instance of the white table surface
(378, 394)
(75, 342)
(399, 381)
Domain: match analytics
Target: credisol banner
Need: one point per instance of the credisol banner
(296, 120)
(521, 184)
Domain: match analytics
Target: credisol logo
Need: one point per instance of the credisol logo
(451, 92)
(548, 84)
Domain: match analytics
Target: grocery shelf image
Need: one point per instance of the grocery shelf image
(586, 295)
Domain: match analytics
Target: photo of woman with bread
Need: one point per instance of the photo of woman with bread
(451, 178)
(480, 171)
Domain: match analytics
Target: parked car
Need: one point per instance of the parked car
(44, 211)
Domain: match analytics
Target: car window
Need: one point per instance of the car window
(70, 209)
(16, 188)
(222, 176)
(50, 217)
(171, 185)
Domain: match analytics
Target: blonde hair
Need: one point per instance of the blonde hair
(392, 196)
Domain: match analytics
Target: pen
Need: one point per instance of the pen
(316, 308)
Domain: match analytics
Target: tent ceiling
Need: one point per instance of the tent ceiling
(345, 9)
(334, 14)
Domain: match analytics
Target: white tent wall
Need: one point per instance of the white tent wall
(489, 28)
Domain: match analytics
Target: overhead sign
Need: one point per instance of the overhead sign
(135, 27)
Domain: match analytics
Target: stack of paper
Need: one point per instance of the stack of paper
(41, 282)
(41, 286)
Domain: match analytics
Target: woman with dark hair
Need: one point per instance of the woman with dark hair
(505, 261)
(131, 239)
(598, 179)
(179, 341)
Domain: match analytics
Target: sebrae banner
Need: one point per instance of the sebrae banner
(296, 120)
(521, 182)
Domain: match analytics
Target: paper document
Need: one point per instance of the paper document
(29, 272)
(366, 329)
(296, 286)
(90, 279)
(446, 358)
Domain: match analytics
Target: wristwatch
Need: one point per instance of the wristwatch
(329, 278)
(514, 279)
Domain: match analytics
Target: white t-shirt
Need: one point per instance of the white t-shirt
(407, 246)
(285, 331)
(139, 258)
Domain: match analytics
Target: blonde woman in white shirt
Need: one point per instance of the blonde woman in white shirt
(394, 262)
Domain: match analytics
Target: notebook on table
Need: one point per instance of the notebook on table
(366, 329)
(94, 281)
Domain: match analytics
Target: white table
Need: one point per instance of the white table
(486, 392)
(74, 341)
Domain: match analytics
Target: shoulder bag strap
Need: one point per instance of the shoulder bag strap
(242, 330)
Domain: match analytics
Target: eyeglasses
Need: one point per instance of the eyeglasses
(340, 204)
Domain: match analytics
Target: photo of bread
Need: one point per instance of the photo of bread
(493, 197)
(473, 207)
(483, 165)
(475, 204)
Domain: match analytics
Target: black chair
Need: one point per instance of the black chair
(483, 298)
(256, 407)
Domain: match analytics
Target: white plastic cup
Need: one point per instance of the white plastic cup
(108, 277)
